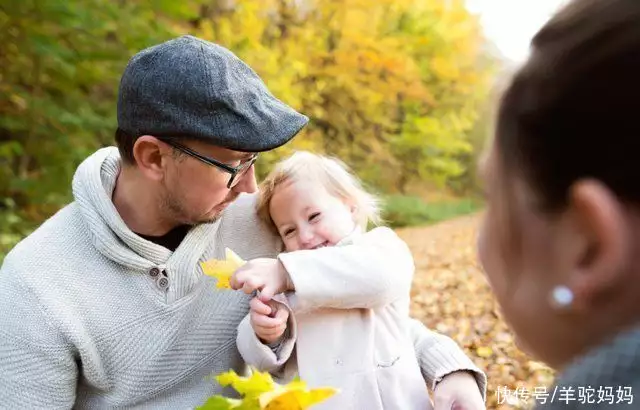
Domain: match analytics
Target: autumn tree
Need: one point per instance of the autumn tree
(392, 87)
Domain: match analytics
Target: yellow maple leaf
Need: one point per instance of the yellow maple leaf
(222, 269)
(294, 396)
(254, 385)
(260, 391)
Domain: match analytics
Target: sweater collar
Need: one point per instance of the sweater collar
(93, 185)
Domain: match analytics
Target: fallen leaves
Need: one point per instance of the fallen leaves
(484, 351)
(450, 295)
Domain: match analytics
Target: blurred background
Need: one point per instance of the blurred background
(401, 90)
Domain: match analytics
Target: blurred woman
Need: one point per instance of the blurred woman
(560, 240)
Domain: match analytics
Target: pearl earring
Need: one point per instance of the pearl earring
(561, 297)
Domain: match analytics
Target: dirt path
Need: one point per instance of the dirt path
(451, 295)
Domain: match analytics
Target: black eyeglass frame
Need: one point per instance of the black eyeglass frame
(234, 171)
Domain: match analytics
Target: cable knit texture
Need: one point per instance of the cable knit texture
(90, 321)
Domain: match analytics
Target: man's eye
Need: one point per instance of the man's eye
(242, 162)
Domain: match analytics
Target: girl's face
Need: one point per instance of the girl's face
(307, 216)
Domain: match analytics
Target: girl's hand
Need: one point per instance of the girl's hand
(266, 275)
(268, 320)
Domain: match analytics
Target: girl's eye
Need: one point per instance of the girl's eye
(288, 232)
(314, 216)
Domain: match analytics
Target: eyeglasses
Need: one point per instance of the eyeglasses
(236, 172)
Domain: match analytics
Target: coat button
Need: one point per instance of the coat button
(154, 272)
(163, 282)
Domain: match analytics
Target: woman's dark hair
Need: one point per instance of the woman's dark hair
(572, 110)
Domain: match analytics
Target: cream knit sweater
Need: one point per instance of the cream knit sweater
(88, 319)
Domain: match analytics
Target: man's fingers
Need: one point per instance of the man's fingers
(259, 306)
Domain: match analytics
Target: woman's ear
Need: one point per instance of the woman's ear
(603, 242)
(148, 153)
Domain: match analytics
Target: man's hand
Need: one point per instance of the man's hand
(458, 391)
(266, 275)
(268, 320)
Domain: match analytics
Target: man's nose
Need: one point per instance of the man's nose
(247, 182)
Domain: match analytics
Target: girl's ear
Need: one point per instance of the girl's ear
(355, 216)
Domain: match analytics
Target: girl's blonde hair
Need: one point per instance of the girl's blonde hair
(333, 174)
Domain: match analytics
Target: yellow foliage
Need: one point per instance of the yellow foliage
(365, 71)
(260, 392)
(294, 396)
(222, 269)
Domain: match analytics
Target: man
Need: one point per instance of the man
(104, 305)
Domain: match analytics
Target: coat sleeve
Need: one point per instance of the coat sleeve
(438, 355)
(373, 271)
(261, 356)
(37, 365)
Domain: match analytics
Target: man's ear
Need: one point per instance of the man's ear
(149, 153)
(603, 242)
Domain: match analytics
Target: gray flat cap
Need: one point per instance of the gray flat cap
(192, 88)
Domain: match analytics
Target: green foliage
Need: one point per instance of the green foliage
(60, 66)
(13, 227)
(400, 211)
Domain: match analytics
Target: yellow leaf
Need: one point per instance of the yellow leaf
(233, 257)
(222, 269)
(260, 391)
(484, 351)
(252, 386)
(294, 396)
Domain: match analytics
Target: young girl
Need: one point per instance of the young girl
(350, 325)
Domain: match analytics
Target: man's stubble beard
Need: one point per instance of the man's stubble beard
(176, 211)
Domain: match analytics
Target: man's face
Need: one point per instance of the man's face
(194, 192)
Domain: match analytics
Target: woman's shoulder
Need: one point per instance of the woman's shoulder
(608, 373)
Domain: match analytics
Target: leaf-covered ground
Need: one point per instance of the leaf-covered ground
(451, 295)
